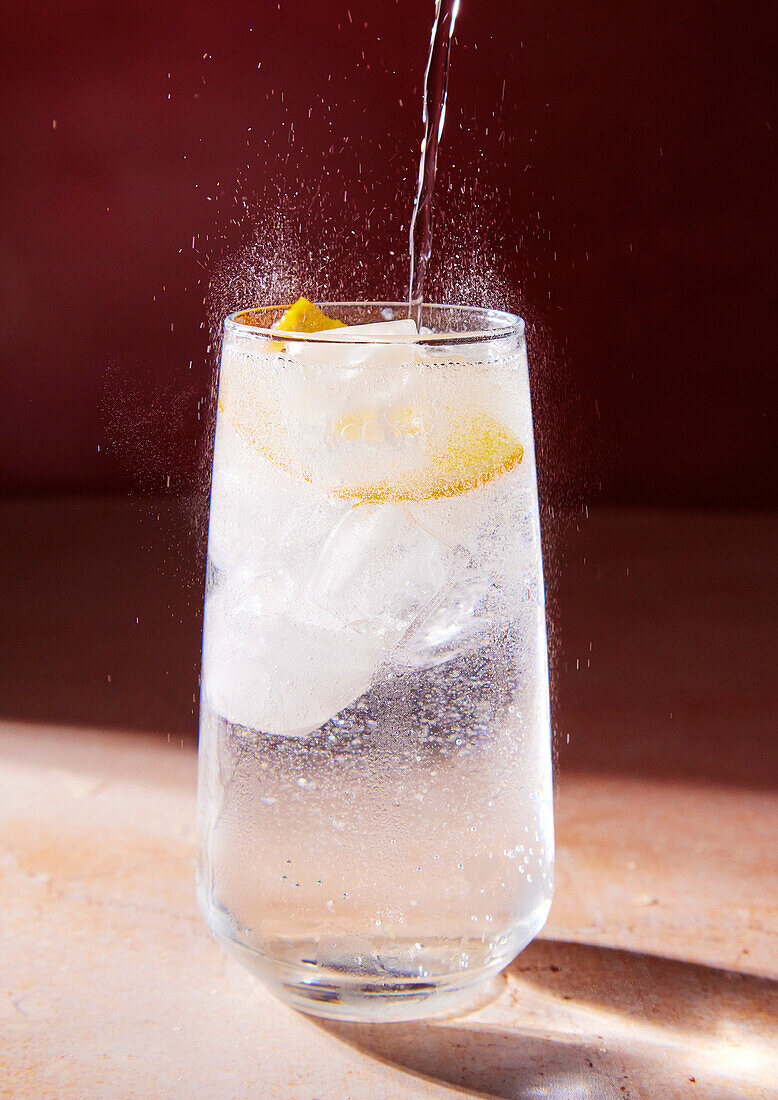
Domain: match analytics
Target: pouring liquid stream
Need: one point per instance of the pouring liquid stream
(433, 116)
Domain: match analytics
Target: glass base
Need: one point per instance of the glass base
(344, 985)
(335, 994)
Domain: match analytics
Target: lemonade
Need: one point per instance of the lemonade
(375, 771)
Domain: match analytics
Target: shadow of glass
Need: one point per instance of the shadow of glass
(575, 1021)
(666, 991)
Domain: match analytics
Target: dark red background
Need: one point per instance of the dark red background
(612, 166)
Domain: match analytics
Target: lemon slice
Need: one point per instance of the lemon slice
(375, 431)
(304, 316)
(478, 449)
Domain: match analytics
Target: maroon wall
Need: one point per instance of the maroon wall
(610, 166)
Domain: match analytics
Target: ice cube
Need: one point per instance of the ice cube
(256, 510)
(406, 326)
(493, 536)
(495, 523)
(379, 354)
(458, 622)
(268, 670)
(377, 570)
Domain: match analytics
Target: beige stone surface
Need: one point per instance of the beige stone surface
(654, 977)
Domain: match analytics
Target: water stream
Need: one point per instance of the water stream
(434, 114)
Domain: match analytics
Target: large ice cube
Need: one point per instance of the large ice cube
(261, 518)
(269, 670)
(377, 570)
(328, 423)
(285, 651)
(393, 352)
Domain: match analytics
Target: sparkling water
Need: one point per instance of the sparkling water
(375, 776)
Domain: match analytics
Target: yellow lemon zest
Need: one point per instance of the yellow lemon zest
(304, 316)
(479, 448)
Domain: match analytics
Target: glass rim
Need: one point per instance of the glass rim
(503, 324)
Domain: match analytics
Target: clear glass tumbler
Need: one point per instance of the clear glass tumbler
(375, 810)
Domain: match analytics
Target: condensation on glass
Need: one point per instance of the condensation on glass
(375, 811)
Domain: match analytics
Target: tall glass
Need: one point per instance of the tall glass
(375, 812)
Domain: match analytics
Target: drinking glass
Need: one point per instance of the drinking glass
(374, 806)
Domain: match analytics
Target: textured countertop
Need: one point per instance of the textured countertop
(656, 973)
